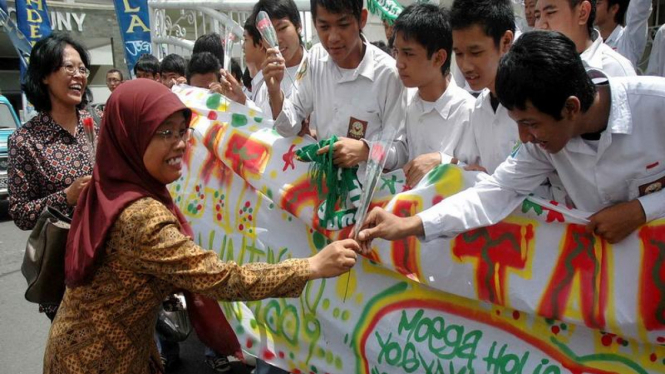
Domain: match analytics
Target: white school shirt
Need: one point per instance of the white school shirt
(257, 83)
(657, 58)
(628, 162)
(437, 126)
(262, 98)
(358, 103)
(601, 57)
(490, 136)
(631, 40)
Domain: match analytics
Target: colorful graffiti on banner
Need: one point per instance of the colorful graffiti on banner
(534, 294)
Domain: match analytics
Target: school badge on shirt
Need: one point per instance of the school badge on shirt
(356, 129)
(652, 187)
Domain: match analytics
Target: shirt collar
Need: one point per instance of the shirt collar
(443, 104)
(614, 36)
(366, 66)
(592, 57)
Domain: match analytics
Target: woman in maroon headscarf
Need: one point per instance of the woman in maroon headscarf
(129, 246)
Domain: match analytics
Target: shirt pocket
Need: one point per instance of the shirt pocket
(360, 122)
(646, 185)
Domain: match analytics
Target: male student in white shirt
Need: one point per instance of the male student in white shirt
(350, 87)
(483, 31)
(605, 141)
(631, 39)
(574, 19)
(439, 111)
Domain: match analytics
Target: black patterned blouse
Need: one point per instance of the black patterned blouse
(44, 159)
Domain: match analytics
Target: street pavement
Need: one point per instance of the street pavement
(23, 330)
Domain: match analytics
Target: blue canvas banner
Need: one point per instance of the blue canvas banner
(3, 5)
(134, 22)
(32, 19)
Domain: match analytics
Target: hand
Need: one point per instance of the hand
(347, 152)
(475, 167)
(616, 222)
(181, 80)
(381, 224)
(417, 168)
(231, 88)
(335, 259)
(274, 68)
(73, 192)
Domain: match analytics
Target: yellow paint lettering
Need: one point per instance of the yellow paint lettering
(34, 32)
(39, 3)
(136, 22)
(34, 16)
(128, 8)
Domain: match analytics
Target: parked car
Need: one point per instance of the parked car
(8, 124)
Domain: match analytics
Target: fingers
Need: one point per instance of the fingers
(323, 150)
(350, 244)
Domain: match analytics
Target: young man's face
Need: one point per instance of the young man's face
(203, 80)
(339, 34)
(415, 69)
(477, 56)
(288, 37)
(169, 78)
(542, 129)
(529, 9)
(254, 54)
(605, 14)
(557, 15)
(113, 80)
(147, 75)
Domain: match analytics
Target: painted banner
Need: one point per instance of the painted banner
(134, 23)
(534, 294)
(32, 19)
(388, 10)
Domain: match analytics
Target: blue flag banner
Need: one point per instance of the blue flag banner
(134, 22)
(3, 5)
(32, 19)
(19, 41)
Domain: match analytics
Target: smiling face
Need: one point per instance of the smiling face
(414, 67)
(339, 34)
(477, 56)
(63, 88)
(288, 37)
(542, 129)
(163, 158)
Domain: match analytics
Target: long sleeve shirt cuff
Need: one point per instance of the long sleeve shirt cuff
(653, 205)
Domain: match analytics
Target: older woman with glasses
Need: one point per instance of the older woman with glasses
(50, 157)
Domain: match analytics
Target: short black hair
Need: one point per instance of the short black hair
(236, 70)
(173, 63)
(46, 58)
(278, 9)
(543, 67)
(147, 63)
(203, 63)
(354, 7)
(429, 25)
(110, 71)
(250, 27)
(621, 13)
(494, 16)
(247, 79)
(210, 42)
(592, 13)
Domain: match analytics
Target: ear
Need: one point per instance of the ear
(363, 18)
(571, 108)
(440, 57)
(158, 77)
(584, 12)
(613, 10)
(506, 41)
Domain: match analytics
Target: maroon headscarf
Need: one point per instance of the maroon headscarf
(133, 113)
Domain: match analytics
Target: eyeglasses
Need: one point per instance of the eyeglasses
(72, 70)
(170, 137)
